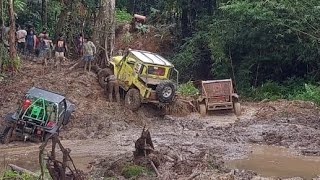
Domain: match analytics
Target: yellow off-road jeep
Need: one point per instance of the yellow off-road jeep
(145, 77)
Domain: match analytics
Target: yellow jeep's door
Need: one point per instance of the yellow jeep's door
(126, 73)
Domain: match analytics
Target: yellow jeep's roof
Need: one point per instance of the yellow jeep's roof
(145, 57)
(151, 58)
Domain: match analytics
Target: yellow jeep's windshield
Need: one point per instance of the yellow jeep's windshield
(158, 71)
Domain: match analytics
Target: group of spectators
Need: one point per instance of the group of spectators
(31, 45)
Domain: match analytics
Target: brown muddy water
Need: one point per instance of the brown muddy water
(280, 162)
(28, 157)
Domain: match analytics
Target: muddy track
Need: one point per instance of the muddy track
(101, 133)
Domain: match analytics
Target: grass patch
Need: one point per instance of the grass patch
(130, 171)
(9, 174)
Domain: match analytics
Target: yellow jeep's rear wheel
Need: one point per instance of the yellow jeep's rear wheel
(165, 91)
(132, 99)
(102, 75)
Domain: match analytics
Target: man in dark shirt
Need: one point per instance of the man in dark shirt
(60, 49)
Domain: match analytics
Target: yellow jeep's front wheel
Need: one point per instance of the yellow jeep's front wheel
(132, 99)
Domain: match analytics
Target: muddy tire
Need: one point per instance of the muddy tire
(165, 91)
(102, 76)
(6, 134)
(237, 108)
(132, 99)
(202, 109)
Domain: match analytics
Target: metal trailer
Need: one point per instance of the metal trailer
(217, 95)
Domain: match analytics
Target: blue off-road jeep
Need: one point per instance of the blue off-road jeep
(40, 114)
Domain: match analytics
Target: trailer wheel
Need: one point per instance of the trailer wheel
(6, 135)
(237, 108)
(203, 109)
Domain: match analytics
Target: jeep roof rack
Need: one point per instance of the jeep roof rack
(151, 58)
(47, 95)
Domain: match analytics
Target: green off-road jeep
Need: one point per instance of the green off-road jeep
(145, 77)
(40, 114)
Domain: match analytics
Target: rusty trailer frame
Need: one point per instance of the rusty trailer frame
(217, 94)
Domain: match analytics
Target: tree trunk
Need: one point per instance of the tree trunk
(104, 34)
(62, 18)
(185, 22)
(44, 17)
(2, 20)
(110, 24)
(211, 5)
(131, 6)
(12, 34)
(1, 12)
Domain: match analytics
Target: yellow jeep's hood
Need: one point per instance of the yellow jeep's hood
(116, 60)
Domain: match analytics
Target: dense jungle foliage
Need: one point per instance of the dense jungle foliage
(270, 48)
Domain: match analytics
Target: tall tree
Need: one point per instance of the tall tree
(44, 13)
(12, 34)
(104, 32)
(2, 19)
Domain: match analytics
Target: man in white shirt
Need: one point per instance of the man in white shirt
(89, 49)
(21, 39)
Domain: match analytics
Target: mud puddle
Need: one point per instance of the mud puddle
(273, 161)
(30, 161)
(27, 156)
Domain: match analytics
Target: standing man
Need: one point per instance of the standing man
(31, 41)
(60, 49)
(44, 33)
(21, 40)
(79, 42)
(113, 87)
(89, 49)
(45, 49)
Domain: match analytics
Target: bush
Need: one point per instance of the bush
(310, 93)
(123, 16)
(291, 90)
(188, 89)
(269, 90)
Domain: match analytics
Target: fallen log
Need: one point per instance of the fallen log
(74, 66)
(22, 170)
(154, 168)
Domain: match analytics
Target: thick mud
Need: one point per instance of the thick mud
(101, 135)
